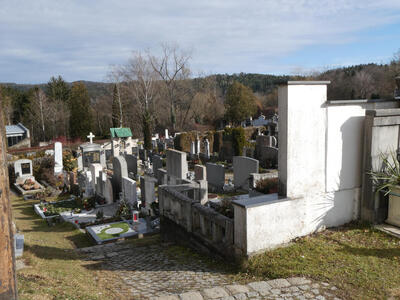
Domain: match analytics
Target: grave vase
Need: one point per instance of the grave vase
(394, 207)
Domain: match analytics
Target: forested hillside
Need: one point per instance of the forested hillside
(197, 103)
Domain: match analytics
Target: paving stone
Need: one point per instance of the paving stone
(191, 296)
(276, 291)
(315, 291)
(168, 297)
(252, 294)
(278, 283)
(294, 289)
(298, 280)
(98, 257)
(111, 254)
(240, 296)
(151, 273)
(237, 289)
(260, 286)
(214, 293)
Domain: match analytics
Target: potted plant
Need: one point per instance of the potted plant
(387, 180)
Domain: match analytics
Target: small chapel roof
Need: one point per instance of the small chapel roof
(121, 132)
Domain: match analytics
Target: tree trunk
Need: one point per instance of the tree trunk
(8, 284)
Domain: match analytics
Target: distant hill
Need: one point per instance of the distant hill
(352, 82)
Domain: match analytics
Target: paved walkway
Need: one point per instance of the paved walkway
(291, 288)
(149, 272)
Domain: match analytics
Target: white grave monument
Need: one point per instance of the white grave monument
(58, 158)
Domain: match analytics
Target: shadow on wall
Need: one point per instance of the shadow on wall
(340, 203)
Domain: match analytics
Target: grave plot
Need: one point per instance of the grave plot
(25, 181)
(54, 209)
(112, 231)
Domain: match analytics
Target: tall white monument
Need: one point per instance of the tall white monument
(58, 158)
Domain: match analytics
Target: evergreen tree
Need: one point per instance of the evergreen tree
(240, 103)
(147, 131)
(116, 109)
(58, 89)
(80, 118)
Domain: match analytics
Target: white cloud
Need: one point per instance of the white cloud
(79, 39)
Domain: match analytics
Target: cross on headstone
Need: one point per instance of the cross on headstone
(91, 136)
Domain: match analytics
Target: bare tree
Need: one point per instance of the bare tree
(140, 81)
(363, 82)
(40, 110)
(173, 69)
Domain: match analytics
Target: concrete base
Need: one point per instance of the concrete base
(389, 229)
(394, 209)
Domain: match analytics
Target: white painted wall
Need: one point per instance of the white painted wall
(320, 169)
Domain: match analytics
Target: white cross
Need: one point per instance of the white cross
(91, 136)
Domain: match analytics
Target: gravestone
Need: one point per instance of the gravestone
(89, 191)
(129, 190)
(200, 172)
(95, 170)
(162, 177)
(215, 176)
(157, 164)
(90, 154)
(192, 149)
(242, 168)
(166, 134)
(207, 148)
(268, 157)
(58, 158)
(100, 187)
(142, 154)
(23, 170)
(197, 146)
(147, 188)
(176, 164)
(131, 161)
(108, 191)
(80, 159)
(120, 169)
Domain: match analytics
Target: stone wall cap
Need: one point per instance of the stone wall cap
(304, 82)
(259, 200)
(383, 112)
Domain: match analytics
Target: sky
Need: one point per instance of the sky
(83, 39)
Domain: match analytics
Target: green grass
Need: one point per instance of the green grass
(105, 236)
(54, 270)
(361, 261)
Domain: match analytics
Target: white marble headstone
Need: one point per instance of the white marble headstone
(58, 158)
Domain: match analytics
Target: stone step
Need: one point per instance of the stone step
(290, 288)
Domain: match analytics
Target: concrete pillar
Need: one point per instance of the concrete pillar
(302, 118)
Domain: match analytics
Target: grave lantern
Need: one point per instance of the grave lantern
(135, 215)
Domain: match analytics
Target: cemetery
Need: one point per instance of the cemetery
(233, 193)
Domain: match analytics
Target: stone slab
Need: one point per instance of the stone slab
(191, 296)
(215, 293)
